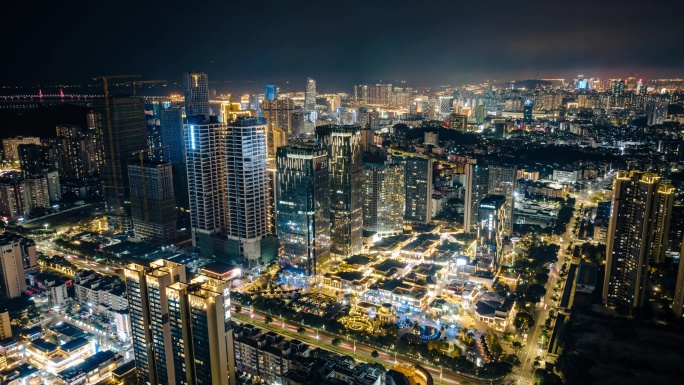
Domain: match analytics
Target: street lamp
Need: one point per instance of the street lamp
(46, 226)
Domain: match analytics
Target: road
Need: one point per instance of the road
(360, 351)
(48, 248)
(531, 349)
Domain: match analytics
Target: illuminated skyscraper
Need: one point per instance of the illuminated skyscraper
(634, 223)
(310, 96)
(123, 132)
(309, 113)
(278, 114)
(656, 112)
(678, 301)
(446, 106)
(379, 94)
(246, 176)
(207, 187)
(418, 186)
(303, 206)
(343, 144)
(491, 224)
(527, 111)
(181, 330)
(271, 92)
(476, 188)
(196, 94)
(502, 180)
(384, 197)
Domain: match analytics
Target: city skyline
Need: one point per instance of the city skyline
(515, 41)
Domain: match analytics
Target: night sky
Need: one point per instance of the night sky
(340, 43)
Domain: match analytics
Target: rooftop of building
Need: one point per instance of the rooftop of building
(89, 364)
(44, 346)
(68, 330)
(74, 344)
(358, 259)
(388, 264)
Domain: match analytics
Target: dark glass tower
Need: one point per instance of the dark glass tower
(346, 178)
(527, 111)
(303, 206)
(123, 132)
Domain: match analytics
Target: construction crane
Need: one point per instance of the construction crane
(142, 176)
(105, 85)
(135, 83)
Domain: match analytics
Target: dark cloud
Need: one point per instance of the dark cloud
(340, 43)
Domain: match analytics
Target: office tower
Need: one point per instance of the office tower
(491, 223)
(635, 207)
(271, 92)
(181, 330)
(502, 181)
(196, 94)
(418, 186)
(656, 112)
(247, 181)
(206, 168)
(149, 313)
(310, 114)
(480, 114)
(14, 199)
(383, 197)
(121, 125)
(346, 172)
(367, 137)
(379, 94)
(310, 96)
(303, 207)
(152, 201)
(661, 223)
(527, 111)
(458, 122)
(446, 106)
(278, 114)
(17, 256)
(476, 188)
(37, 191)
(10, 146)
(171, 130)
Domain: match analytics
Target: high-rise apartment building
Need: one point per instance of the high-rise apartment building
(678, 300)
(303, 207)
(384, 197)
(152, 201)
(278, 114)
(5, 325)
(636, 205)
(10, 146)
(656, 112)
(121, 125)
(502, 181)
(207, 188)
(171, 132)
(246, 175)
(38, 193)
(418, 187)
(14, 199)
(660, 235)
(379, 94)
(181, 330)
(343, 144)
(17, 256)
(196, 94)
